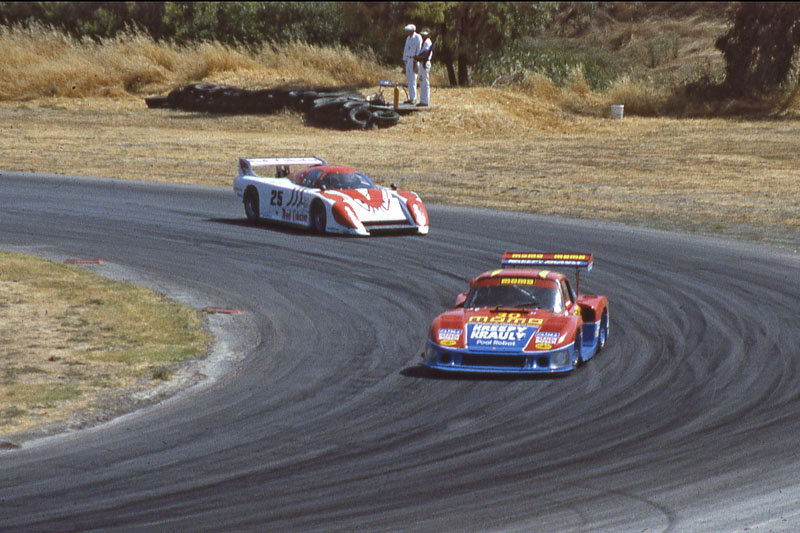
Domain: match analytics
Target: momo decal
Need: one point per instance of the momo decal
(517, 319)
(517, 281)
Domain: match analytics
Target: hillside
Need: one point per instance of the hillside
(643, 51)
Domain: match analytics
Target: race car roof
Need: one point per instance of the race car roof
(336, 169)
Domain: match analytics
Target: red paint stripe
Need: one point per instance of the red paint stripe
(83, 261)
(223, 310)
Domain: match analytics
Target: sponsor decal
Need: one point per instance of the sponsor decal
(537, 259)
(517, 281)
(558, 257)
(517, 319)
(294, 215)
(543, 346)
(546, 337)
(449, 334)
(498, 336)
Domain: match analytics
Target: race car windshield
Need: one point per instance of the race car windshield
(355, 180)
(515, 296)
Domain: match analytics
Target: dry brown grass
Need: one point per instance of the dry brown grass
(507, 149)
(43, 62)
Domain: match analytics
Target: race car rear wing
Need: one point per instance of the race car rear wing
(282, 164)
(551, 260)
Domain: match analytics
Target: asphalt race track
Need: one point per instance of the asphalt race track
(687, 421)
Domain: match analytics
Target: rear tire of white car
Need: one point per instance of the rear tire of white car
(319, 219)
(251, 204)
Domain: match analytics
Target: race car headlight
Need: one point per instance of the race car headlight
(560, 358)
(431, 352)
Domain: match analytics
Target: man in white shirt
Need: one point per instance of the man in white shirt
(424, 58)
(410, 52)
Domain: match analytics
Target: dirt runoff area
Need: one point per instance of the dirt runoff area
(501, 149)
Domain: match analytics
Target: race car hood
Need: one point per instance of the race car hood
(371, 205)
(484, 330)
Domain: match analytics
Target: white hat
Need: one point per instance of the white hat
(424, 31)
(411, 27)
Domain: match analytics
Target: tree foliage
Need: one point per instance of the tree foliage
(759, 47)
(253, 23)
(79, 19)
(465, 34)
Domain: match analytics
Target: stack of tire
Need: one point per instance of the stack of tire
(326, 107)
(349, 111)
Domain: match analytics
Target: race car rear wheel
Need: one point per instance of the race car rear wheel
(602, 336)
(319, 218)
(251, 204)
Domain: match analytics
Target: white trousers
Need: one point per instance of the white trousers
(424, 83)
(411, 79)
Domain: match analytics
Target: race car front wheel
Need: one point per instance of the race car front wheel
(251, 204)
(319, 219)
(577, 358)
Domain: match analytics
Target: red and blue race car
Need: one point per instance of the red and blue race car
(523, 318)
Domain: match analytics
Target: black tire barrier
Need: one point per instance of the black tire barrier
(350, 104)
(360, 116)
(384, 118)
(325, 102)
(156, 102)
(327, 107)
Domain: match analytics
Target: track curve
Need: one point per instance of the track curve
(686, 421)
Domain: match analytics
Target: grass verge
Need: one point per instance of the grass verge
(68, 338)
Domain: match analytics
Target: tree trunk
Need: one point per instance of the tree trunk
(463, 71)
(451, 72)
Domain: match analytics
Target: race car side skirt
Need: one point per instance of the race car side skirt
(591, 338)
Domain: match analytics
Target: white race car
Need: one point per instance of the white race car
(326, 198)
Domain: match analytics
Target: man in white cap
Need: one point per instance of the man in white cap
(424, 58)
(410, 52)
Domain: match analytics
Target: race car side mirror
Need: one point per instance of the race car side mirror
(460, 299)
(322, 187)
